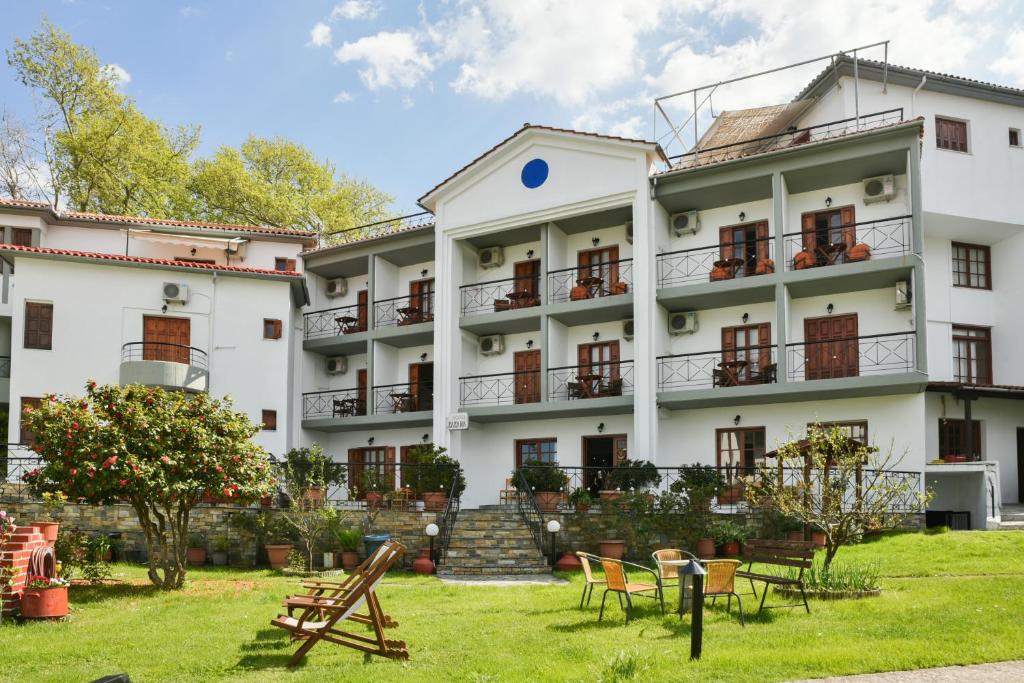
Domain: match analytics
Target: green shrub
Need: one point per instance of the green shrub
(728, 531)
(348, 538)
(446, 470)
(540, 476)
(839, 576)
(636, 475)
(700, 484)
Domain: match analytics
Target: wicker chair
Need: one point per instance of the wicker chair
(617, 581)
(667, 573)
(588, 574)
(721, 582)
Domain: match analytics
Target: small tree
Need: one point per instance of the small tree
(309, 470)
(847, 487)
(156, 450)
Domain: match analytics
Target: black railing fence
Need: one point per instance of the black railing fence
(334, 403)
(725, 261)
(596, 380)
(871, 354)
(165, 351)
(528, 509)
(404, 310)
(500, 295)
(843, 243)
(408, 397)
(499, 389)
(732, 368)
(378, 228)
(592, 281)
(332, 322)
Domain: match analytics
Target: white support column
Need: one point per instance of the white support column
(447, 338)
(645, 385)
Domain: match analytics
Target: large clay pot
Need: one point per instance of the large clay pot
(548, 501)
(44, 603)
(730, 549)
(719, 273)
(423, 564)
(579, 293)
(374, 500)
(435, 501)
(48, 530)
(610, 495)
(569, 563)
(349, 559)
(612, 549)
(277, 554)
(858, 252)
(795, 536)
(706, 548)
(764, 266)
(803, 259)
(196, 556)
(819, 539)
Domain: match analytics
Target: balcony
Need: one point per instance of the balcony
(715, 263)
(599, 387)
(345, 410)
(162, 364)
(403, 398)
(506, 306)
(337, 403)
(718, 369)
(500, 389)
(341, 331)
(598, 292)
(875, 354)
(405, 320)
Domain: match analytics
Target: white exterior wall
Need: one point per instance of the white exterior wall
(712, 220)
(847, 195)
(513, 254)
(875, 309)
(710, 322)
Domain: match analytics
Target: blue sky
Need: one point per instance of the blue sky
(402, 94)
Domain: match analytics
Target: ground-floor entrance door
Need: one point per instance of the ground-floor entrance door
(166, 339)
(600, 454)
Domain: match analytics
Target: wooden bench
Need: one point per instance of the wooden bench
(799, 554)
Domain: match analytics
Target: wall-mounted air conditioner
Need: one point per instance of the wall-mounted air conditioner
(491, 345)
(175, 293)
(684, 223)
(491, 257)
(627, 329)
(337, 365)
(904, 296)
(337, 287)
(682, 323)
(629, 232)
(880, 188)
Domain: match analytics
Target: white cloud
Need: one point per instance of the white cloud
(355, 9)
(633, 127)
(1011, 63)
(320, 35)
(189, 11)
(118, 74)
(342, 97)
(392, 59)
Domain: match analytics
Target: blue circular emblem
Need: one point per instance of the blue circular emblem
(535, 172)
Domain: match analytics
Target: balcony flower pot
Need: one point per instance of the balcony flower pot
(313, 496)
(764, 266)
(374, 500)
(803, 259)
(578, 293)
(219, 558)
(706, 548)
(795, 535)
(731, 494)
(719, 273)
(435, 501)
(196, 556)
(44, 603)
(277, 554)
(423, 564)
(349, 559)
(48, 530)
(858, 252)
(548, 501)
(611, 495)
(612, 549)
(266, 501)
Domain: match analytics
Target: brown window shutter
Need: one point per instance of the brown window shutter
(38, 325)
(807, 227)
(761, 233)
(278, 329)
(291, 264)
(389, 467)
(269, 419)
(728, 344)
(583, 356)
(21, 237)
(764, 341)
(725, 247)
(362, 301)
(846, 215)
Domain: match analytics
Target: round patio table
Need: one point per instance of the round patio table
(684, 599)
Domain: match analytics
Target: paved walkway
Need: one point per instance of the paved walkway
(975, 673)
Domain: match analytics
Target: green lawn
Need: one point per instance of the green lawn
(953, 598)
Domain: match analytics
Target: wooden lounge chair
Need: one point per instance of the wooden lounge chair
(721, 581)
(618, 582)
(588, 575)
(329, 611)
(322, 588)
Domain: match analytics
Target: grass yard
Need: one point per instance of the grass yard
(952, 598)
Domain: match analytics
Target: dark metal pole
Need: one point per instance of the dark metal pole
(432, 558)
(697, 622)
(968, 430)
(554, 557)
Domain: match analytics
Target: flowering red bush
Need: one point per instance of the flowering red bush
(157, 450)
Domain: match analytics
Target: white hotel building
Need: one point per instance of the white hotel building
(583, 299)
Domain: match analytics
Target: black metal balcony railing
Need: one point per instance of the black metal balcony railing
(596, 280)
(334, 403)
(164, 351)
(871, 354)
(403, 398)
(5, 366)
(335, 321)
(788, 138)
(849, 243)
(732, 368)
(596, 380)
(725, 261)
(498, 389)
(501, 295)
(404, 310)
(379, 228)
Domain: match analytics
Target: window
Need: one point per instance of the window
(282, 263)
(271, 328)
(950, 134)
(744, 245)
(972, 266)
(952, 437)
(972, 354)
(740, 448)
(27, 437)
(421, 296)
(269, 420)
(1014, 137)
(370, 466)
(854, 429)
(21, 237)
(746, 356)
(38, 325)
(541, 450)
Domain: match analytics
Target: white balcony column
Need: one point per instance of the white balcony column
(781, 295)
(918, 282)
(447, 336)
(645, 367)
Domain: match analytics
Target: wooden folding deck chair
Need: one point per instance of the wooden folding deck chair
(329, 611)
(318, 588)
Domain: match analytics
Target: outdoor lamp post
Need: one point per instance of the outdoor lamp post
(553, 528)
(431, 531)
(694, 569)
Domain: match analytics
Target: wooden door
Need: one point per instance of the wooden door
(830, 347)
(421, 385)
(421, 295)
(361, 391)
(527, 277)
(602, 263)
(166, 339)
(527, 378)
(363, 304)
(750, 343)
(364, 464)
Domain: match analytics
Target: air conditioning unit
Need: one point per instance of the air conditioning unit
(627, 329)
(682, 323)
(337, 365)
(629, 232)
(881, 188)
(337, 287)
(175, 293)
(491, 257)
(903, 295)
(685, 223)
(492, 345)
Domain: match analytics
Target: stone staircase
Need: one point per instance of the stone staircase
(492, 541)
(1012, 518)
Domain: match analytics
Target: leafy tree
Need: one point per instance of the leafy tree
(308, 472)
(851, 488)
(157, 450)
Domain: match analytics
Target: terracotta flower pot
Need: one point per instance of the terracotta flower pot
(610, 495)
(435, 501)
(277, 554)
(612, 549)
(819, 539)
(803, 259)
(349, 559)
(266, 501)
(374, 500)
(719, 273)
(858, 252)
(582, 507)
(706, 548)
(730, 549)
(48, 530)
(196, 556)
(423, 564)
(569, 563)
(548, 501)
(44, 603)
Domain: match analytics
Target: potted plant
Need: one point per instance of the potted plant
(196, 549)
(100, 548)
(45, 598)
(432, 474)
(308, 472)
(53, 504)
(580, 499)
(729, 535)
(545, 479)
(278, 544)
(819, 537)
(374, 487)
(348, 539)
(634, 475)
(220, 546)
